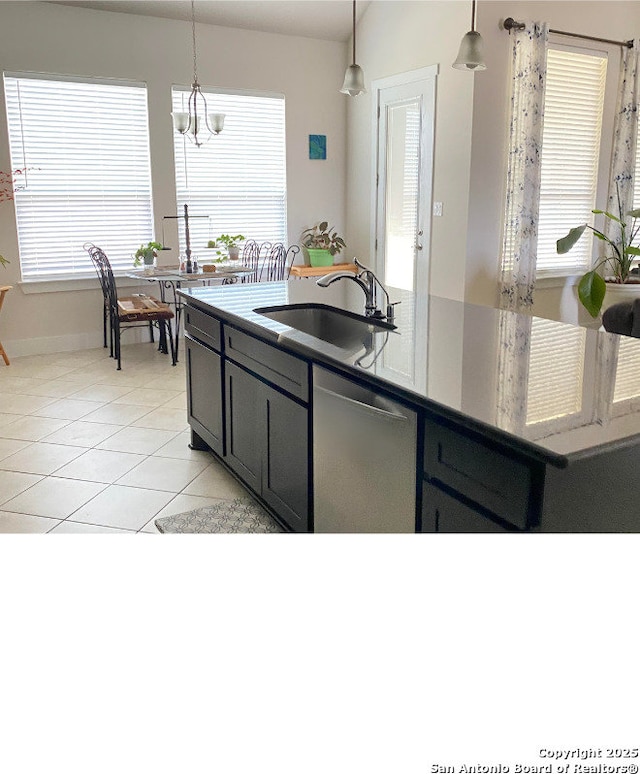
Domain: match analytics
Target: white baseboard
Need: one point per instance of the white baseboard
(72, 342)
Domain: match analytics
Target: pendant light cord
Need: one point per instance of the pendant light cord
(354, 32)
(473, 16)
(193, 33)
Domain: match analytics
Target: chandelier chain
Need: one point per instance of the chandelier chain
(193, 33)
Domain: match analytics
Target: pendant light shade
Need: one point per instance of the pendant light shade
(197, 121)
(353, 81)
(354, 76)
(471, 53)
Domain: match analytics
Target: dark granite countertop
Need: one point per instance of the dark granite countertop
(554, 391)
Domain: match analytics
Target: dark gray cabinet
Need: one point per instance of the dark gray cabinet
(205, 400)
(268, 444)
(286, 458)
(442, 513)
(244, 425)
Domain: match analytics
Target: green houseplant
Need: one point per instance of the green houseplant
(232, 243)
(146, 254)
(322, 243)
(622, 252)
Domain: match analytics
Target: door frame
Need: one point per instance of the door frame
(402, 79)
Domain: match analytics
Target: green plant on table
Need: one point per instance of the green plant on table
(592, 286)
(227, 240)
(322, 236)
(146, 253)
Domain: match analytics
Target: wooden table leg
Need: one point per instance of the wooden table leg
(3, 354)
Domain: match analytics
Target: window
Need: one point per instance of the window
(86, 147)
(556, 374)
(627, 387)
(574, 100)
(238, 178)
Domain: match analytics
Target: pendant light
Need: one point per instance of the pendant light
(197, 121)
(471, 55)
(354, 77)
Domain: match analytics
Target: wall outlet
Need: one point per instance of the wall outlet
(437, 209)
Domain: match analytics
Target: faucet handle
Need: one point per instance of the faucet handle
(391, 312)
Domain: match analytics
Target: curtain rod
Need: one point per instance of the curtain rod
(511, 24)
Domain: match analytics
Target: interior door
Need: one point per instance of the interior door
(405, 117)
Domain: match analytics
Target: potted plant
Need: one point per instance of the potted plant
(232, 243)
(593, 286)
(322, 243)
(147, 254)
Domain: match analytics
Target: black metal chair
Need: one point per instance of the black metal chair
(251, 255)
(128, 312)
(277, 265)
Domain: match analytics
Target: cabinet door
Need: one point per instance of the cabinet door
(244, 424)
(204, 394)
(441, 513)
(285, 480)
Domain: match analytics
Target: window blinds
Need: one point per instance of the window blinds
(556, 365)
(238, 177)
(570, 154)
(627, 384)
(86, 145)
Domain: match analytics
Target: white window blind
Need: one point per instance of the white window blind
(86, 146)
(636, 174)
(556, 367)
(574, 100)
(238, 177)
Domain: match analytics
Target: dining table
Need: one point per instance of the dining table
(171, 279)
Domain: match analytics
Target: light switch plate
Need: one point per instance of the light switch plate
(437, 209)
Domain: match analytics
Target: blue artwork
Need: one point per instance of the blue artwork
(317, 146)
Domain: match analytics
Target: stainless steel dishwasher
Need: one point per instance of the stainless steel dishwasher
(364, 458)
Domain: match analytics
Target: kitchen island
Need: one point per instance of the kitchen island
(514, 424)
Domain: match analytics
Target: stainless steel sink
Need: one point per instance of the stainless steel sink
(335, 326)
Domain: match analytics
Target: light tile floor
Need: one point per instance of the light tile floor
(88, 449)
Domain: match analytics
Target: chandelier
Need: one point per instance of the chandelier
(197, 121)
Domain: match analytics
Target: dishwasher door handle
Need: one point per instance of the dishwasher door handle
(392, 415)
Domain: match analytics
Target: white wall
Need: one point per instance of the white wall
(395, 37)
(609, 19)
(40, 37)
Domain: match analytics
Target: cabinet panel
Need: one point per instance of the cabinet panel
(491, 478)
(203, 327)
(285, 483)
(204, 394)
(442, 513)
(285, 371)
(244, 425)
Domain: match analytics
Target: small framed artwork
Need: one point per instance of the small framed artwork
(318, 146)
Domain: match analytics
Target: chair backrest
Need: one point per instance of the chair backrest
(105, 274)
(277, 265)
(3, 291)
(253, 256)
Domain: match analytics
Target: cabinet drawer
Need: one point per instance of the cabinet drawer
(442, 513)
(203, 327)
(481, 473)
(284, 370)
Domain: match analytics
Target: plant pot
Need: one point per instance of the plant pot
(319, 257)
(616, 293)
(149, 264)
(234, 253)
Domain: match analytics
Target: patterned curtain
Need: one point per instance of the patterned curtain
(623, 162)
(520, 237)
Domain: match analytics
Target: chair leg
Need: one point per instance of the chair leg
(151, 330)
(5, 357)
(116, 337)
(162, 337)
(171, 345)
(104, 324)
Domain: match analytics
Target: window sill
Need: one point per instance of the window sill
(71, 284)
(544, 281)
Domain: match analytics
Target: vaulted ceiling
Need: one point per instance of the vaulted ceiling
(324, 19)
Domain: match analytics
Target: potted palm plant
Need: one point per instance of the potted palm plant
(616, 266)
(322, 243)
